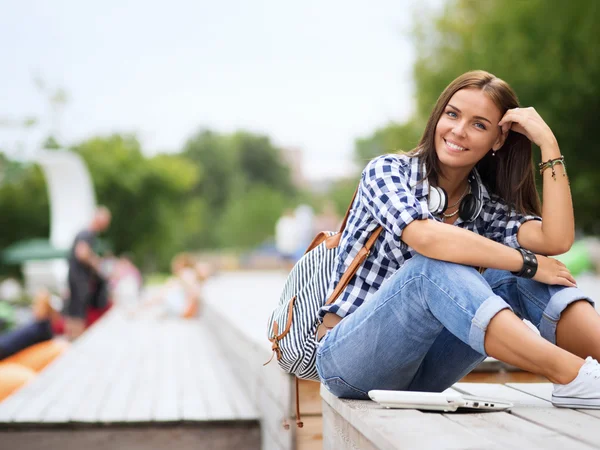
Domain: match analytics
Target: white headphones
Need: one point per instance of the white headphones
(470, 206)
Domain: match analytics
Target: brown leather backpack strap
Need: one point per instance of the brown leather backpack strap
(343, 225)
(354, 265)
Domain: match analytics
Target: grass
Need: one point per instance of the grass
(156, 278)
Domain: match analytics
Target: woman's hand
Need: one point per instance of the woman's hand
(552, 271)
(528, 122)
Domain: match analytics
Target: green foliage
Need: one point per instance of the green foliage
(144, 196)
(547, 51)
(390, 139)
(250, 218)
(341, 193)
(24, 209)
(221, 191)
(235, 167)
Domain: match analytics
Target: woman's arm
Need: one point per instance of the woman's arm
(447, 242)
(556, 233)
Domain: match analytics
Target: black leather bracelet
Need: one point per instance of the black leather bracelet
(530, 264)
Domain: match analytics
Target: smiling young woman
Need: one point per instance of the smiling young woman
(418, 315)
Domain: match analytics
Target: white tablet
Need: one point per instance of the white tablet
(432, 401)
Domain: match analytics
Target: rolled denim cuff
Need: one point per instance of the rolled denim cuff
(489, 308)
(557, 304)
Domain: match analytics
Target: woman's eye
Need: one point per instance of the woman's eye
(480, 126)
(451, 114)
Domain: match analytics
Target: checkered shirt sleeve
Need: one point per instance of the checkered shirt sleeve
(503, 222)
(388, 197)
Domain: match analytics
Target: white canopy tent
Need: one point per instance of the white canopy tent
(72, 203)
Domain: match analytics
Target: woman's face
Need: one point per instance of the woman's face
(467, 129)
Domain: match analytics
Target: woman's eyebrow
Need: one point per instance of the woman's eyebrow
(474, 117)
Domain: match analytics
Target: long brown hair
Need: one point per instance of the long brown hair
(510, 173)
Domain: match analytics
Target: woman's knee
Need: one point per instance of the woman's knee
(440, 271)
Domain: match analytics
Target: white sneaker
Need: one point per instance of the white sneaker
(583, 391)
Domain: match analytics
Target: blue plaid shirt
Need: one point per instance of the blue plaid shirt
(393, 192)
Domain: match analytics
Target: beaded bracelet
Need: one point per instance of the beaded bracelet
(551, 163)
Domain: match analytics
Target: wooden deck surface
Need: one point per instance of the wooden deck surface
(133, 371)
(533, 423)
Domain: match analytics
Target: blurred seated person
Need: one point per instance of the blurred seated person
(26, 350)
(86, 286)
(124, 281)
(180, 295)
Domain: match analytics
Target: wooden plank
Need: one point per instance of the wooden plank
(23, 398)
(310, 436)
(310, 398)
(387, 428)
(544, 391)
(340, 434)
(214, 393)
(141, 405)
(112, 350)
(247, 359)
(272, 418)
(38, 394)
(54, 386)
(218, 436)
(77, 381)
(513, 432)
(568, 422)
(166, 407)
(193, 403)
(115, 406)
(238, 396)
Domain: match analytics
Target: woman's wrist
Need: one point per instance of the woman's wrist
(550, 150)
(516, 261)
(529, 265)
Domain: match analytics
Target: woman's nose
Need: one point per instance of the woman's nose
(459, 130)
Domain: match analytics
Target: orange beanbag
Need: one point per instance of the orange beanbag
(12, 377)
(39, 355)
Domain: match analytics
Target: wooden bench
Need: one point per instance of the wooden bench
(532, 423)
(143, 383)
(239, 321)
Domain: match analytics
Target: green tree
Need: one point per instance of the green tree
(24, 207)
(144, 195)
(550, 54)
(392, 138)
(250, 218)
(234, 167)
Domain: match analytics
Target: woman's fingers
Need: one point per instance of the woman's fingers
(569, 277)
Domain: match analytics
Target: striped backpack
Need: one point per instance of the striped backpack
(293, 323)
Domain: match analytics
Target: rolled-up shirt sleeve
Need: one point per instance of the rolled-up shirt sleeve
(505, 223)
(386, 193)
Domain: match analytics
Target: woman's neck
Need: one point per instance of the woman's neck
(454, 183)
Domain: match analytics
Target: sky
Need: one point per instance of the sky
(313, 75)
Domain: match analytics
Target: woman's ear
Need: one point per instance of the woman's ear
(499, 142)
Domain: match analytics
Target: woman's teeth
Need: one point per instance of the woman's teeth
(454, 146)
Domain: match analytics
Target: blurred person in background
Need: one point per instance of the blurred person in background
(87, 287)
(125, 282)
(26, 350)
(286, 237)
(327, 220)
(180, 296)
(305, 226)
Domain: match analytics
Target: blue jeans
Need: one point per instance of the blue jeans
(424, 329)
(14, 341)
